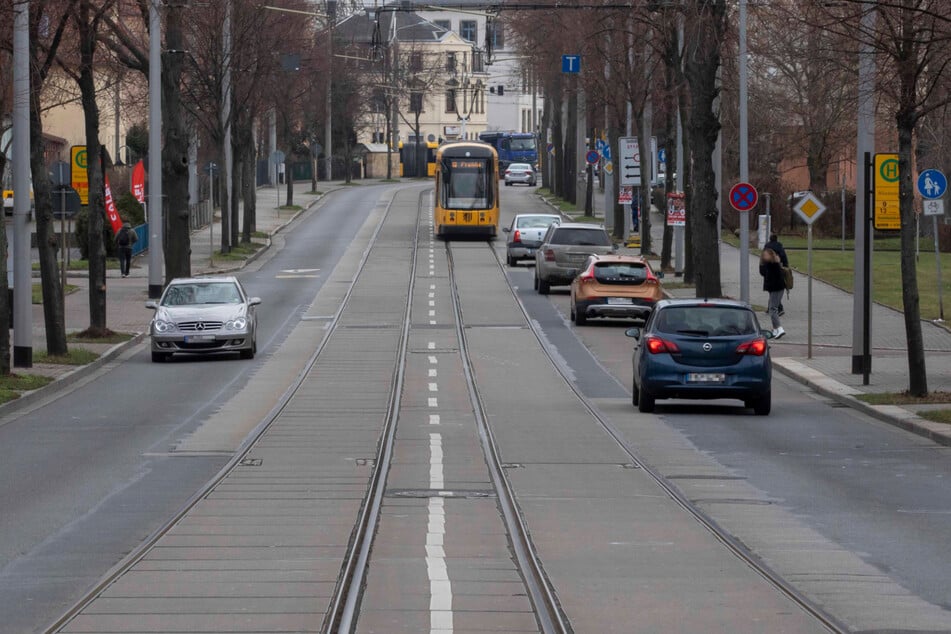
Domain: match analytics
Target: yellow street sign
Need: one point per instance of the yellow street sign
(79, 177)
(887, 209)
(809, 208)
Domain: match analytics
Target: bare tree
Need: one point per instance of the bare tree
(912, 41)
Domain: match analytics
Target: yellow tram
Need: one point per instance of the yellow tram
(467, 190)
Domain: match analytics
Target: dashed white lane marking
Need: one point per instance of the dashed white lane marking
(440, 588)
(433, 401)
(431, 345)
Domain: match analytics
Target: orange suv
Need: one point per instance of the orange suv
(615, 286)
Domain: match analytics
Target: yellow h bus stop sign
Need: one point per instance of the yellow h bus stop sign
(79, 177)
(887, 211)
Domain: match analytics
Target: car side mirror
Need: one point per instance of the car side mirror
(254, 301)
(659, 275)
(634, 333)
(151, 304)
(766, 333)
(507, 229)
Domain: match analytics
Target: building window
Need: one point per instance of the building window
(451, 100)
(451, 62)
(445, 25)
(378, 102)
(415, 62)
(469, 30)
(498, 36)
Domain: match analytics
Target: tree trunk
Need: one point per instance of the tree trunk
(237, 167)
(289, 179)
(96, 208)
(703, 60)
(177, 247)
(225, 201)
(907, 118)
(248, 184)
(54, 315)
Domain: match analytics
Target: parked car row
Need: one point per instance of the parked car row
(686, 348)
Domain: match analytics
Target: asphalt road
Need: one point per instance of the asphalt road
(87, 476)
(851, 511)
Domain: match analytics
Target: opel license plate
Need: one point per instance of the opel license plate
(706, 377)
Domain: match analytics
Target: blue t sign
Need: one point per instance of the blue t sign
(571, 64)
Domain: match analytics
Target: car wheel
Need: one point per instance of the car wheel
(579, 315)
(511, 261)
(634, 393)
(645, 402)
(543, 287)
(159, 357)
(508, 184)
(762, 406)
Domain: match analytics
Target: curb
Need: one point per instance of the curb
(844, 395)
(63, 381)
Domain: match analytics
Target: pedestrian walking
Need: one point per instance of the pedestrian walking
(124, 241)
(777, 246)
(771, 268)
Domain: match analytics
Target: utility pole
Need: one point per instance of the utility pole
(22, 273)
(744, 161)
(156, 218)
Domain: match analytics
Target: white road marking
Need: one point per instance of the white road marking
(440, 587)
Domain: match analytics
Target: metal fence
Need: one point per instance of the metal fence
(200, 214)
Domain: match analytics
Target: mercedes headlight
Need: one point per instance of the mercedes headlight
(238, 323)
(162, 326)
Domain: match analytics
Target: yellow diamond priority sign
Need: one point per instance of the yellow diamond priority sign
(809, 208)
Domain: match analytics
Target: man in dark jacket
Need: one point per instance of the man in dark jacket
(124, 241)
(777, 247)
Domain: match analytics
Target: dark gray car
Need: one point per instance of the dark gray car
(564, 251)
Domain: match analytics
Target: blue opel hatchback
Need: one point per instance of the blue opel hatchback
(702, 349)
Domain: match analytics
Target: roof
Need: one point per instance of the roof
(400, 26)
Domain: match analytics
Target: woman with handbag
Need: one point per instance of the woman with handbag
(771, 268)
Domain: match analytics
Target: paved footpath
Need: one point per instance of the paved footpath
(828, 370)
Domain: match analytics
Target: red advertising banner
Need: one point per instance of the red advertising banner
(138, 182)
(111, 212)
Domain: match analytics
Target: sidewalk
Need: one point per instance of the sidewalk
(828, 370)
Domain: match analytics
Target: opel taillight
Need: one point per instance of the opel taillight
(756, 347)
(656, 345)
(517, 237)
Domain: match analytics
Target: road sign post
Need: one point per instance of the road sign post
(743, 198)
(809, 208)
(931, 185)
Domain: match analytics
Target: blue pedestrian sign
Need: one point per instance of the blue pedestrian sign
(932, 184)
(661, 155)
(571, 64)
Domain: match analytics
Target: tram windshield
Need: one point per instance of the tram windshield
(467, 184)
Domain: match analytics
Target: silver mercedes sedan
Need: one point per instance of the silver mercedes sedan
(201, 315)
